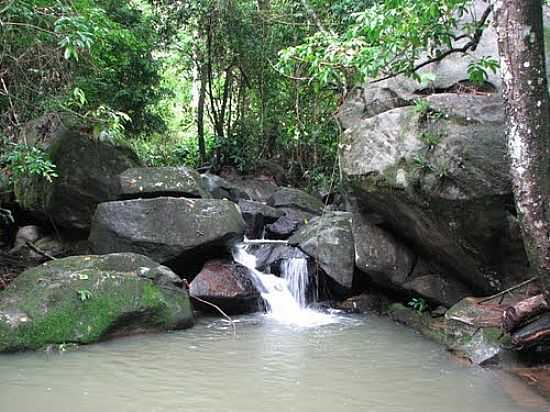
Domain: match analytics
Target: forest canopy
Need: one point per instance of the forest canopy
(217, 82)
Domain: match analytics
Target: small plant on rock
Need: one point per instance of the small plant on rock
(418, 304)
(84, 294)
(430, 139)
(423, 164)
(25, 161)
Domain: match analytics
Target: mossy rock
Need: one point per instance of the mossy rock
(478, 343)
(87, 170)
(85, 299)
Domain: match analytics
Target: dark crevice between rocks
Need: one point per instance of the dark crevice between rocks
(188, 265)
(135, 196)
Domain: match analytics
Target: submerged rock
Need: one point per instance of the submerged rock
(469, 330)
(328, 239)
(165, 228)
(161, 181)
(87, 170)
(84, 299)
(227, 285)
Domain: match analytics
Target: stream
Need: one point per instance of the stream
(359, 363)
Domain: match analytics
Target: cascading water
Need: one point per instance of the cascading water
(284, 305)
(295, 272)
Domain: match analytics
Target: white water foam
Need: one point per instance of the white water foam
(281, 302)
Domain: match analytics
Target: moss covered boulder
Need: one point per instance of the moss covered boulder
(470, 330)
(85, 299)
(87, 170)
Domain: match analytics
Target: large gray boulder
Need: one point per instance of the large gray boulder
(439, 179)
(147, 182)
(227, 285)
(431, 159)
(448, 75)
(329, 240)
(165, 228)
(85, 299)
(87, 170)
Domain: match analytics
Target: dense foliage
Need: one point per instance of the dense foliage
(217, 82)
(91, 57)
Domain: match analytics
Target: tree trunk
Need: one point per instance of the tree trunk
(203, 79)
(521, 47)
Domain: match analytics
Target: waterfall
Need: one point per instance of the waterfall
(285, 297)
(295, 272)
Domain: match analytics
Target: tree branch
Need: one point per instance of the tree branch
(470, 45)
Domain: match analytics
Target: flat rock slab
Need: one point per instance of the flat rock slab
(165, 228)
(161, 181)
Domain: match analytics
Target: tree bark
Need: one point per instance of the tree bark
(521, 47)
(203, 79)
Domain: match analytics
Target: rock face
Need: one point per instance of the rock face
(287, 224)
(87, 172)
(227, 285)
(379, 255)
(440, 180)
(161, 181)
(165, 228)
(431, 159)
(84, 299)
(391, 264)
(257, 215)
(329, 240)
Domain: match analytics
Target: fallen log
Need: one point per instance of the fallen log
(533, 333)
(514, 316)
